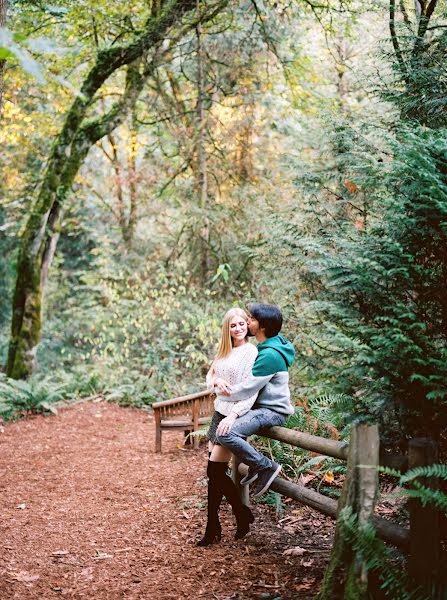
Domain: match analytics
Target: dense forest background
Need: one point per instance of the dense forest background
(293, 154)
(162, 162)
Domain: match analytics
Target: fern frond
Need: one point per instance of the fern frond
(436, 470)
(427, 496)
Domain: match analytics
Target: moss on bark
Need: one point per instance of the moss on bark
(68, 152)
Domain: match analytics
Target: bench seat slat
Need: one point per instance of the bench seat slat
(173, 424)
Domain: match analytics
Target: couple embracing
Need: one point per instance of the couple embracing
(252, 392)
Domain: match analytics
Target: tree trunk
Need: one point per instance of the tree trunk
(132, 177)
(119, 178)
(69, 150)
(202, 166)
(3, 13)
(346, 575)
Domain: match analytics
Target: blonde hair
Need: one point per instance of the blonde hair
(226, 341)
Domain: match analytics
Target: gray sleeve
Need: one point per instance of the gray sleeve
(249, 387)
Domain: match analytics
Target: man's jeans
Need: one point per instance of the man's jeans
(245, 426)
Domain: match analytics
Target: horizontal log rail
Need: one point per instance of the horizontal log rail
(390, 532)
(314, 443)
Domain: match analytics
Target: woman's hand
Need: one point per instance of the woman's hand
(226, 424)
(222, 385)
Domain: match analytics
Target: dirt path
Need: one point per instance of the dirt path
(89, 511)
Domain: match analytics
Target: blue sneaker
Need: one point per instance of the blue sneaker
(265, 479)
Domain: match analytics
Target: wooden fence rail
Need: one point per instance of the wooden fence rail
(390, 532)
(420, 541)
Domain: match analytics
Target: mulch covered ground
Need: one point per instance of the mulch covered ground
(88, 510)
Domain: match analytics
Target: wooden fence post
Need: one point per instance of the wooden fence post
(243, 489)
(157, 418)
(423, 565)
(359, 494)
(195, 421)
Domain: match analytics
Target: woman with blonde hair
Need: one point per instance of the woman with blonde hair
(232, 364)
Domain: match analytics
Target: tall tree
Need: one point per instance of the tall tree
(419, 44)
(202, 166)
(3, 13)
(79, 132)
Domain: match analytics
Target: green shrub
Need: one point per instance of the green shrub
(18, 398)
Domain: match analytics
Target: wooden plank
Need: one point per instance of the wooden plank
(347, 571)
(177, 423)
(180, 399)
(195, 421)
(157, 431)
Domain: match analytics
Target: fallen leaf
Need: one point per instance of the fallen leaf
(328, 477)
(296, 551)
(101, 555)
(24, 577)
(351, 187)
(307, 563)
(304, 479)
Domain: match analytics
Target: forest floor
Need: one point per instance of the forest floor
(88, 510)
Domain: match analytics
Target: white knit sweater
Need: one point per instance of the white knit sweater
(234, 368)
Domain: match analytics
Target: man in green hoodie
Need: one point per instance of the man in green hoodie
(270, 379)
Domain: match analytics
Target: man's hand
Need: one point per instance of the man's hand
(223, 386)
(226, 424)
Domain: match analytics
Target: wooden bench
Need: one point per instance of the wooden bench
(185, 413)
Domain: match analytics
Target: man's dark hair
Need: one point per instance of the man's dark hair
(268, 316)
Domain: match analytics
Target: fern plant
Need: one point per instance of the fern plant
(379, 559)
(410, 485)
(20, 397)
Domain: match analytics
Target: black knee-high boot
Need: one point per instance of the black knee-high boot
(244, 516)
(213, 529)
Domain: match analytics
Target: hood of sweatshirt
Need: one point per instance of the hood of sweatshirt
(281, 345)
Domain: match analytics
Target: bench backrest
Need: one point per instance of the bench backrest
(184, 405)
(194, 407)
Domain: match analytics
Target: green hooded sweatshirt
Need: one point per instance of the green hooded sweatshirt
(269, 377)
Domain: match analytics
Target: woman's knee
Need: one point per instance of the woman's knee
(220, 454)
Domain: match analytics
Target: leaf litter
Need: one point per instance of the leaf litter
(107, 518)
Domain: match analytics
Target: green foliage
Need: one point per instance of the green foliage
(419, 86)
(410, 484)
(18, 398)
(274, 500)
(11, 46)
(147, 333)
(371, 310)
(379, 559)
(318, 416)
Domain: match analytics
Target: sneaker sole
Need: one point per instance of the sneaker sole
(268, 483)
(244, 481)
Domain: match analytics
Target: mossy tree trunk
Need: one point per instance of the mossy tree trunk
(202, 158)
(69, 150)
